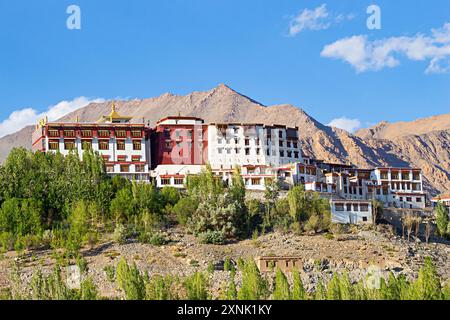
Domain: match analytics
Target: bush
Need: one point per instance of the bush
(196, 287)
(110, 272)
(212, 237)
(153, 238)
(6, 241)
(184, 209)
(82, 264)
(120, 234)
(313, 224)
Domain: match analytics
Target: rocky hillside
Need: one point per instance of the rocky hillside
(378, 146)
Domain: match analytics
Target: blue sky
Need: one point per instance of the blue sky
(324, 59)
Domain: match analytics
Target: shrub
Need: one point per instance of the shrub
(196, 287)
(212, 237)
(88, 290)
(184, 209)
(153, 238)
(313, 224)
(110, 272)
(120, 234)
(6, 241)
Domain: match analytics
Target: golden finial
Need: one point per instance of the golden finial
(113, 107)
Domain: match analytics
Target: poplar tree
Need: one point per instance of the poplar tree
(281, 291)
(254, 287)
(345, 287)
(298, 290)
(441, 219)
(333, 288)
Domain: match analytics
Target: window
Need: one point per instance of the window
(237, 150)
(219, 151)
(418, 199)
(364, 207)
(53, 133)
(281, 144)
(122, 158)
(416, 177)
(258, 151)
(136, 134)
(294, 145)
(268, 152)
(69, 145)
(69, 133)
(179, 181)
(103, 145)
(137, 145)
(364, 219)
(53, 145)
(86, 133)
(349, 207)
(139, 168)
(228, 151)
(165, 181)
(247, 151)
(136, 158)
(86, 145)
(124, 168)
(296, 155)
(256, 181)
(384, 175)
(121, 133)
(110, 169)
(339, 207)
(405, 176)
(236, 130)
(289, 144)
(103, 133)
(120, 145)
(289, 154)
(408, 199)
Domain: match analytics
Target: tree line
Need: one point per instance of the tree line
(50, 200)
(136, 285)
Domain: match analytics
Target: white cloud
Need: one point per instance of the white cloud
(24, 117)
(315, 19)
(350, 125)
(365, 55)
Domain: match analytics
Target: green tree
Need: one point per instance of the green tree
(281, 291)
(88, 290)
(184, 209)
(196, 286)
(333, 288)
(345, 287)
(428, 284)
(122, 206)
(298, 290)
(254, 287)
(130, 281)
(441, 219)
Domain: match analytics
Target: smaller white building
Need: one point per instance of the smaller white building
(351, 211)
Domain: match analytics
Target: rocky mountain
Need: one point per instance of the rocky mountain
(423, 144)
(386, 130)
